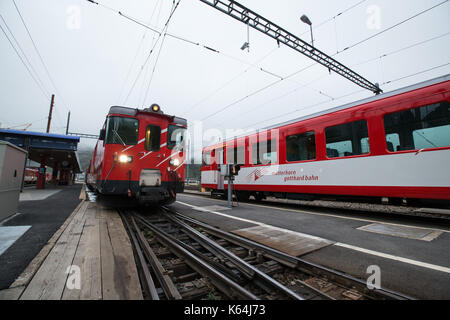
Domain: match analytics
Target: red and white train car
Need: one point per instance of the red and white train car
(31, 175)
(394, 145)
(140, 153)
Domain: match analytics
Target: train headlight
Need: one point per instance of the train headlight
(174, 162)
(125, 159)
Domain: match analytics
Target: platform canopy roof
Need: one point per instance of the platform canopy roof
(55, 148)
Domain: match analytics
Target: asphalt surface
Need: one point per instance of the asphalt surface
(45, 217)
(426, 275)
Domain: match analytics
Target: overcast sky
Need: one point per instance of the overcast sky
(94, 57)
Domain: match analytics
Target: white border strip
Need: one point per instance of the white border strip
(396, 258)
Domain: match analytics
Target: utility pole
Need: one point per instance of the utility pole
(50, 113)
(68, 120)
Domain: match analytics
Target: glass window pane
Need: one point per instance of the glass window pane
(152, 138)
(265, 152)
(176, 137)
(207, 158)
(392, 141)
(122, 130)
(420, 128)
(349, 139)
(301, 147)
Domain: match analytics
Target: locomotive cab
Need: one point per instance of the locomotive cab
(140, 154)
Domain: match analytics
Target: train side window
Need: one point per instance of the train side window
(152, 138)
(207, 158)
(419, 128)
(265, 152)
(236, 155)
(392, 141)
(349, 139)
(301, 147)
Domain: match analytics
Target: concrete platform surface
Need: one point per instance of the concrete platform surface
(33, 194)
(45, 217)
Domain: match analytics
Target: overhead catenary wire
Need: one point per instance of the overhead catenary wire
(25, 56)
(159, 2)
(39, 54)
(358, 64)
(44, 93)
(393, 26)
(174, 7)
(350, 94)
(313, 64)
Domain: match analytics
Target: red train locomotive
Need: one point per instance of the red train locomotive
(395, 145)
(140, 153)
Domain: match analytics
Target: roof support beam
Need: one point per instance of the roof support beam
(245, 15)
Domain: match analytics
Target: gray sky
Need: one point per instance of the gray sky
(89, 52)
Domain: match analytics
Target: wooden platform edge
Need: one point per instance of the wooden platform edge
(26, 276)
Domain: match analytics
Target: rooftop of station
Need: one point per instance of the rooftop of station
(55, 148)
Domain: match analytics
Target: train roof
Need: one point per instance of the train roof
(419, 85)
(366, 100)
(134, 111)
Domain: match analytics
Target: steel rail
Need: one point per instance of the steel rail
(148, 278)
(250, 271)
(299, 263)
(222, 282)
(165, 281)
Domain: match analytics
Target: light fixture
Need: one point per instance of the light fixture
(304, 18)
(124, 158)
(174, 162)
(245, 46)
(155, 108)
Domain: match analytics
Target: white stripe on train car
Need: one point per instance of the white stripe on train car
(139, 142)
(426, 169)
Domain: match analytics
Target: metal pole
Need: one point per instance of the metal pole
(68, 121)
(312, 39)
(50, 113)
(230, 186)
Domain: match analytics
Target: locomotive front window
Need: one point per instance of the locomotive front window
(175, 137)
(152, 138)
(418, 128)
(121, 130)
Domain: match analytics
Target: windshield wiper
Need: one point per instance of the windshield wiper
(115, 132)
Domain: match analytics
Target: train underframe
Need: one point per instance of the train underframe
(163, 194)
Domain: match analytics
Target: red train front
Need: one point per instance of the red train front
(140, 153)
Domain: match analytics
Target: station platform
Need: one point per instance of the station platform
(87, 256)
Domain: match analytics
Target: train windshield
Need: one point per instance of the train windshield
(176, 137)
(121, 130)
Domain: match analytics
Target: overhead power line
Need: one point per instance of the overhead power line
(265, 26)
(151, 51)
(350, 94)
(313, 64)
(25, 56)
(38, 53)
(394, 26)
(25, 65)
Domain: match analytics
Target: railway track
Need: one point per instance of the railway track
(182, 258)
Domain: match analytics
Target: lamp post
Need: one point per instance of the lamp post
(304, 18)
